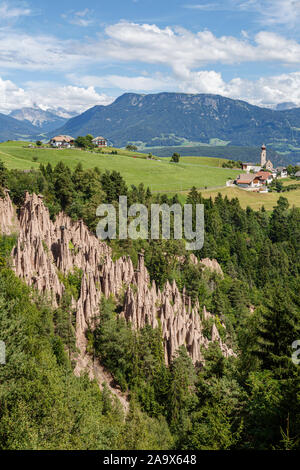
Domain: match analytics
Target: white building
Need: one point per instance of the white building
(100, 142)
(65, 141)
(281, 172)
(251, 167)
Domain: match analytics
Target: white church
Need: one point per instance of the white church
(264, 163)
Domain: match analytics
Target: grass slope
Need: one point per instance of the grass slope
(204, 161)
(251, 199)
(159, 175)
(245, 154)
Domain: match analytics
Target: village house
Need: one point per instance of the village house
(59, 141)
(100, 142)
(254, 180)
(297, 174)
(246, 181)
(281, 172)
(250, 167)
(265, 176)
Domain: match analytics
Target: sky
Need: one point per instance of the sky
(75, 54)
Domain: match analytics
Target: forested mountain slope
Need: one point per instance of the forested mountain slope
(246, 400)
(168, 119)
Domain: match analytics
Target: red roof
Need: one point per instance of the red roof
(263, 175)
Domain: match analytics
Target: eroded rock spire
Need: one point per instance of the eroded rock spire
(45, 248)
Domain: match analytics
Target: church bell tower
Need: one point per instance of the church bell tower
(263, 157)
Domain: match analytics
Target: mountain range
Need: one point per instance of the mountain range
(168, 119)
(172, 119)
(44, 120)
(12, 129)
(31, 123)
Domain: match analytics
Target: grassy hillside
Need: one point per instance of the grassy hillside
(251, 199)
(245, 154)
(159, 175)
(204, 161)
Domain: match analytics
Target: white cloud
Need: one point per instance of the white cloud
(8, 12)
(11, 96)
(130, 42)
(266, 91)
(184, 53)
(49, 96)
(268, 12)
(22, 51)
(205, 6)
(83, 13)
(125, 83)
(71, 98)
(79, 18)
(272, 12)
(179, 48)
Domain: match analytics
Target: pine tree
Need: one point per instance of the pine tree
(278, 328)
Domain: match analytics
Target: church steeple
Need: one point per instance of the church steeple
(263, 157)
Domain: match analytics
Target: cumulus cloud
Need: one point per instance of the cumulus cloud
(130, 42)
(11, 96)
(183, 54)
(49, 96)
(178, 47)
(71, 98)
(266, 91)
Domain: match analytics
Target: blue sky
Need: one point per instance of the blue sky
(76, 54)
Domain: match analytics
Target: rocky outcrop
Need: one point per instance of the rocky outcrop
(180, 322)
(45, 249)
(8, 218)
(210, 264)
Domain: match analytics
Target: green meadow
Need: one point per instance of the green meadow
(251, 199)
(205, 173)
(159, 174)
